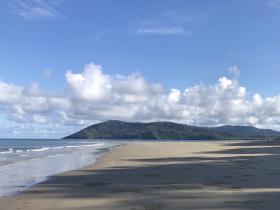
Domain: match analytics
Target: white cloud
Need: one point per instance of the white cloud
(39, 119)
(93, 96)
(91, 85)
(32, 90)
(224, 83)
(34, 9)
(174, 95)
(21, 104)
(9, 92)
(131, 98)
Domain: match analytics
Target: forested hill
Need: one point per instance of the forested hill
(114, 129)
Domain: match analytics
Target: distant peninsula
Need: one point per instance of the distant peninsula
(119, 130)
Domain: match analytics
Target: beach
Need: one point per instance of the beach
(165, 175)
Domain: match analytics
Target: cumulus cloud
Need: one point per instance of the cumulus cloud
(92, 96)
(9, 92)
(91, 85)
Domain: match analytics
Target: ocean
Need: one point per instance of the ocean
(25, 162)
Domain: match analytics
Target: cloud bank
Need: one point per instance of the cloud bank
(93, 96)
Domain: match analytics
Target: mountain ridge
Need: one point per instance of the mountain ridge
(164, 130)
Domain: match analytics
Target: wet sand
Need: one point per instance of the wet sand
(159, 176)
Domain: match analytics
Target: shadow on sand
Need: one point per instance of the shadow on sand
(238, 181)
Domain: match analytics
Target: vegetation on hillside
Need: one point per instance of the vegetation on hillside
(114, 129)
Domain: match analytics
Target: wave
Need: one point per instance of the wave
(41, 149)
(7, 152)
(85, 145)
(40, 165)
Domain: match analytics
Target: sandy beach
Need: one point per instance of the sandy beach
(159, 176)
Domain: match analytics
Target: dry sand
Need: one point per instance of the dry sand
(159, 176)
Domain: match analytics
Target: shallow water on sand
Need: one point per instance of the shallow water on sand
(26, 162)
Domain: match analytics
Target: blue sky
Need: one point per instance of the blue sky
(176, 43)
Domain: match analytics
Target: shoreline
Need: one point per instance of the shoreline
(164, 175)
(98, 153)
(98, 158)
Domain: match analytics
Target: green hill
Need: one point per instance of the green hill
(114, 129)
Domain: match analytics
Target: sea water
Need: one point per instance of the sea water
(25, 162)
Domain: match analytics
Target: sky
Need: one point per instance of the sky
(66, 64)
